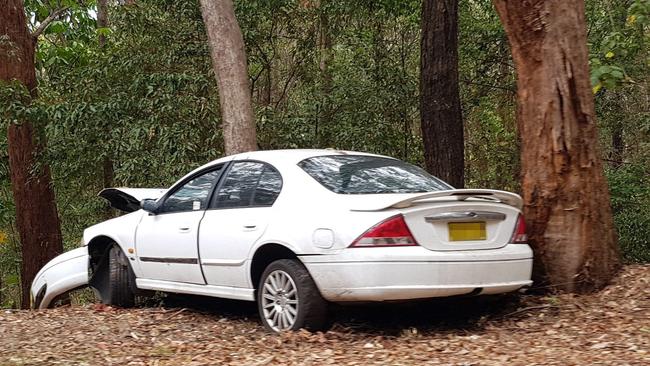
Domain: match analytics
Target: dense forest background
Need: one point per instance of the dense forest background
(140, 107)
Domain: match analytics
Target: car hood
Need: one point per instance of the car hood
(128, 199)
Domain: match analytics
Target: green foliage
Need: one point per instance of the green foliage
(488, 95)
(618, 43)
(147, 101)
(630, 190)
(619, 33)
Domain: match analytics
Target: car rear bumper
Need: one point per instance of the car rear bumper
(415, 273)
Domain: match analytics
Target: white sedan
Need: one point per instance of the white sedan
(295, 230)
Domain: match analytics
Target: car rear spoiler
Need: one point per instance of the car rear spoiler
(507, 198)
(128, 199)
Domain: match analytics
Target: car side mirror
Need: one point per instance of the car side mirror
(149, 205)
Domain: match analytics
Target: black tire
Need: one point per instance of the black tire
(311, 307)
(121, 280)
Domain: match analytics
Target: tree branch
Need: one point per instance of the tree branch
(46, 22)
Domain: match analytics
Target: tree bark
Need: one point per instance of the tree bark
(618, 144)
(102, 19)
(229, 61)
(440, 113)
(37, 219)
(108, 171)
(323, 127)
(565, 193)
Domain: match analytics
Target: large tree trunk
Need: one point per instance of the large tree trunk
(566, 197)
(37, 220)
(229, 61)
(440, 114)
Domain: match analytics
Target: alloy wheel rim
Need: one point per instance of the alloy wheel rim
(279, 301)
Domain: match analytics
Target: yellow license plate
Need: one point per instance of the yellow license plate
(465, 231)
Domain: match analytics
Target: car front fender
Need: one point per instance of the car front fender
(62, 274)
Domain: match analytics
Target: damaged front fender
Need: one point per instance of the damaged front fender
(62, 274)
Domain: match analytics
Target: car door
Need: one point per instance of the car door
(238, 215)
(166, 242)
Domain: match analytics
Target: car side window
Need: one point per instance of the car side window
(193, 195)
(248, 184)
(268, 187)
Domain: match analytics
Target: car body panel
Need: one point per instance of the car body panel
(63, 273)
(384, 274)
(121, 230)
(225, 237)
(166, 247)
(431, 230)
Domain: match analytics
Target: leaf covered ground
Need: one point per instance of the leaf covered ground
(609, 327)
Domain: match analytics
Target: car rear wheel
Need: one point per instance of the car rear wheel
(288, 299)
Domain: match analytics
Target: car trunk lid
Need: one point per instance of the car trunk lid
(456, 219)
(461, 226)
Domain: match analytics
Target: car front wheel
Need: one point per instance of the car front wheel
(288, 299)
(119, 290)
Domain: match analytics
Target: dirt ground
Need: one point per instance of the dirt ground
(609, 327)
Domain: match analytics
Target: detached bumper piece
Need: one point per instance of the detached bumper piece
(67, 272)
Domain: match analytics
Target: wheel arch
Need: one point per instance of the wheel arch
(266, 254)
(98, 249)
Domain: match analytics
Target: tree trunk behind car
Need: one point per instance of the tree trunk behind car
(440, 115)
(37, 220)
(229, 61)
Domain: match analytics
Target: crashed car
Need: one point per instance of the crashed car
(296, 230)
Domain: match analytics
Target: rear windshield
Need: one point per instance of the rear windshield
(359, 174)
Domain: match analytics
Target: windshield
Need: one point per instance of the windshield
(359, 174)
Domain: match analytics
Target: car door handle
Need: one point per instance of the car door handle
(250, 227)
(184, 229)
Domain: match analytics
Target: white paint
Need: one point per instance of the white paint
(318, 226)
(323, 238)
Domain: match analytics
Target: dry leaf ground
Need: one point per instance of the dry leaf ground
(609, 327)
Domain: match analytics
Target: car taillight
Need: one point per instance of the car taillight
(391, 232)
(519, 236)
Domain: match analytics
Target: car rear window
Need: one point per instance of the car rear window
(360, 174)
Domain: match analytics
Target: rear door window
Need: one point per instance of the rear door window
(249, 184)
(360, 174)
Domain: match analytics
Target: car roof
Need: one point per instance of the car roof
(281, 157)
(288, 155)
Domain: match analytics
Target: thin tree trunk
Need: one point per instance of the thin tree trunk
(324, 128)
(102, 19)
(37, 220)
(267, 88)
(229, 61)
(565, 193)
(108, 172)
(618, 144)
(440, 113)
